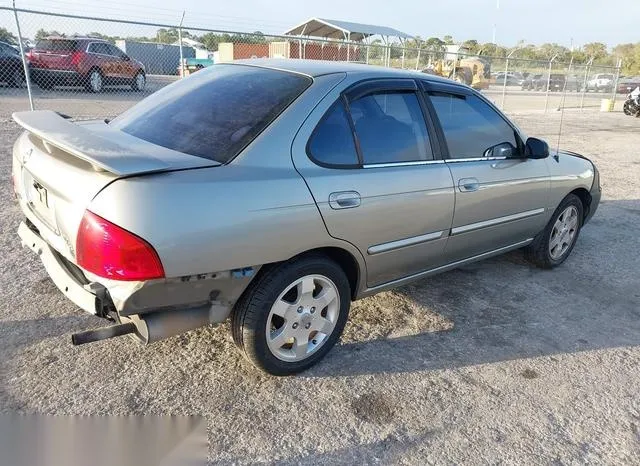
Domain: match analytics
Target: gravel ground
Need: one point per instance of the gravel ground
(497, 362)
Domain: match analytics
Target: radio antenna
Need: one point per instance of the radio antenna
(564, 94)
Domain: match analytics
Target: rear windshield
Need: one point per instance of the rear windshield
(606, 76)
(557, 76)
(57, 45)
(216, 112)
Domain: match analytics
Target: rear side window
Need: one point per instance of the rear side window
(57, 45)
(216, 112)
(470, 125)
(332, 140)
(99, 47)
(390, 128)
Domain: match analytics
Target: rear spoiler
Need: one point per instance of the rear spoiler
(81, 142)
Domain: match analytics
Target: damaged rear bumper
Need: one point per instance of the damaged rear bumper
(158, 308)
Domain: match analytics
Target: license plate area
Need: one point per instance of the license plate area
(39, 200)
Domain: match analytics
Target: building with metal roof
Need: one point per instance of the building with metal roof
(331, 29)
(345, 30)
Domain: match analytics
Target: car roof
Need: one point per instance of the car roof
(314, 68)
(77, 38)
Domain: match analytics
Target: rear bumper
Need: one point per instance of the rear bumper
(56, 269)
(59, 77)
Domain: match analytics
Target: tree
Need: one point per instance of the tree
(448, 40)
(167, 36)
(471, 45)
(596, 50)
(6, 36)
(42, 34)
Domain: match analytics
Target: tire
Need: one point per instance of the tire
(627, 108)
(139, 82)
(540, 252)
(275, 291)
(17, 79)
(94, 82)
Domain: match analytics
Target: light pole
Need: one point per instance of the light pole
(495, 25)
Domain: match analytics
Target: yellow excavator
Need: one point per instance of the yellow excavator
(474, 71)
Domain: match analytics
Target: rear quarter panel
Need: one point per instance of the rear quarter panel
(253, 211)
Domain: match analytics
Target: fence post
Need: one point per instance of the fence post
(584, 84)
(564, 88)
(504, 83)
(368, 46)
(418, 58)
(546, 101)
(615, 83)
(25, 66)
(180, 43)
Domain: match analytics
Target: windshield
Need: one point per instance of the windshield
(214, 113)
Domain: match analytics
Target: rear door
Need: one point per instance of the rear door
(500, 195)
(374, 169)
(100, 56)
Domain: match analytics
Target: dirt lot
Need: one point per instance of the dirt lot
(498, 362)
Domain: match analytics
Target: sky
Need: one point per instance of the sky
(566, 22)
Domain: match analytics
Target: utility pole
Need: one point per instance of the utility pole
(495, 24)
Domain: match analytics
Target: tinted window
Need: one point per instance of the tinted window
(332, 140)
(99, 47)
(470, 125)
(57, 45)
(216, 112)
(115, 51)
(8, 50)
(390, 128)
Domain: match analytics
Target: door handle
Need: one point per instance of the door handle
(468, 185)
(344, 200)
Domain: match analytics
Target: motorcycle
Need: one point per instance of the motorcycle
(632, 104)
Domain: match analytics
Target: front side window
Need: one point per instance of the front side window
(471, 127)
(332, 140)
(216, 112)
(390, 128)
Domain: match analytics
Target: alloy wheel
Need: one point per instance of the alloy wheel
(95, 81)
(563, 233)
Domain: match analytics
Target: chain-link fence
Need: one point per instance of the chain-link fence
(85, 66)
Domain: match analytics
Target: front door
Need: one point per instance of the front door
(500, 195)
(379, 183)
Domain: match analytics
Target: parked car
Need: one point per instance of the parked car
(601, 83)
(513, 79)
(275, 192)
(531, 82)
(11, 67)
(627, 85)
(83, 61)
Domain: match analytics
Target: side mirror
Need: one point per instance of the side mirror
(536, 148)
(504, 149)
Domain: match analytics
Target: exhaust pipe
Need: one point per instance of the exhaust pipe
(156, 326)
(149, 327)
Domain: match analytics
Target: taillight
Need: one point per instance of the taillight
(29, 56)
(76, 57)
(109, 251)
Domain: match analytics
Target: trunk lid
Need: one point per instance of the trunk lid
(60, 166)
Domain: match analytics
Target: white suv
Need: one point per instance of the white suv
(601, 82)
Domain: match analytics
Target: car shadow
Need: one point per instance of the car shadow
(505, 309)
